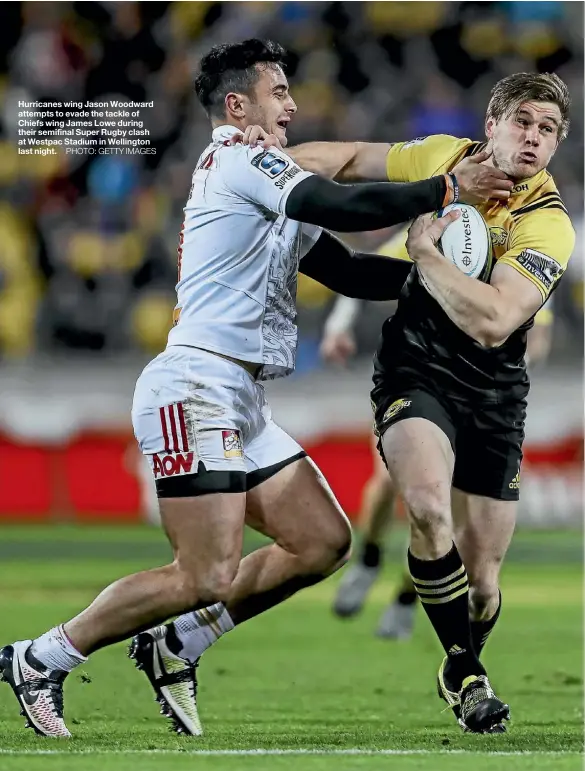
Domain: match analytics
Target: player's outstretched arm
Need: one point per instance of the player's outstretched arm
(370, 206)
(342, 161)
(354, 274)
(489, 313)
(359, 161)
(270, 179)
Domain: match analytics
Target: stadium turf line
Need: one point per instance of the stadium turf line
(299, 679)
(145, 542)
(319, 762)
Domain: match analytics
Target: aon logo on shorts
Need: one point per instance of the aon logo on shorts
(172, 465)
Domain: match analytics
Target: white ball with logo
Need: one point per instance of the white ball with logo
(467, 241)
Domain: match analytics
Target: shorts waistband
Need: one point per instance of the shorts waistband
(251, 367)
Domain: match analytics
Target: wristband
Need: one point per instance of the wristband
(449, 196)
(455, 184)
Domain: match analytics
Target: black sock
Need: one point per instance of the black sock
(480, 630)
(406, 597)
(371, 555)
(406, 592)
(443, 590)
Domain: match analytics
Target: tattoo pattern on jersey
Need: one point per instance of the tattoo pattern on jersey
(279, 330)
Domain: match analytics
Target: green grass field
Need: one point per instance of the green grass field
(298, 689)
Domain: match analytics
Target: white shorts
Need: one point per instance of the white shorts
(192, 406)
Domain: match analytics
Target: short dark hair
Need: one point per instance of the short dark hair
(232, 67)
(509, 93)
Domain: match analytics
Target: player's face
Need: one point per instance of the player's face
(273, 107)
(524, 142)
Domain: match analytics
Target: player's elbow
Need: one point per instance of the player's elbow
(495, 329)
(492, 327)
(490, 339)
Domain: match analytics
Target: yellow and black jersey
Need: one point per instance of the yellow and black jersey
(531, 232)
(395, 247)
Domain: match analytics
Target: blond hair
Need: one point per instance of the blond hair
(509, 93)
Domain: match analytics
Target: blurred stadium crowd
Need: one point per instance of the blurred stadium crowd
(88, 244)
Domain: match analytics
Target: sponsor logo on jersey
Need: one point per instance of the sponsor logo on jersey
(287, 176)
(521, 188)
(175, 464)
(499, 236)
(270, 164)
(515, 483)
(541, 266)
(395, 408)
(232, 444)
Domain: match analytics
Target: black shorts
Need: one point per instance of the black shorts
(486, 438)
(206, 482)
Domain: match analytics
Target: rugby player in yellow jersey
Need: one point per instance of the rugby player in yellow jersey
(379, 497)
(450, 381)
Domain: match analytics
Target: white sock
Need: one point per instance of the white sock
(201, 628)
(55, 650)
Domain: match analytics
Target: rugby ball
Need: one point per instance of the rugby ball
(467, 242)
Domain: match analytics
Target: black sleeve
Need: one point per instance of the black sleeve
(353, 274)
(370, 206)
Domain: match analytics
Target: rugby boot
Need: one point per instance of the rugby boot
(39, 691)
(173, 678)
(481, 711)
(450, 695)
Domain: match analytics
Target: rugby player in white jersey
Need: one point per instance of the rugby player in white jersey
(200, 413)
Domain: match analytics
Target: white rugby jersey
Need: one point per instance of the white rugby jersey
(239, 256)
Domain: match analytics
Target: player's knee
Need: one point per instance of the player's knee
(429, 507)
(483, 596)
(338, 549)
(204, 589)
(331, 551)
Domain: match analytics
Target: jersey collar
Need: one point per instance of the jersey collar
(221, 133)
(529, 185)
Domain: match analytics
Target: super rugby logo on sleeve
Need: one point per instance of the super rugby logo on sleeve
(270, 164)
(541, 266)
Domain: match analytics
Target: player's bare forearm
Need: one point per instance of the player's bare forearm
(343, 161)
(328, 159)
(488, 313)
(473, 306)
